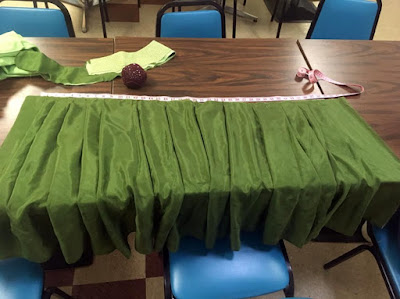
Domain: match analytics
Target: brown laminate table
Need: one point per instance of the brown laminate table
(221, 68)
(70, 52)
(375, 65)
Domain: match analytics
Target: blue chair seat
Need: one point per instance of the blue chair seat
(20, 279)
(388, 244)
(255, 269)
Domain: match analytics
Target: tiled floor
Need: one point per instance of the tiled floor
(140, 277)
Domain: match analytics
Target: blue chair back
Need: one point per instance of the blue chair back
(388, 243)
(345, 19)
(37, 22)
(194, 24)
(20, 279)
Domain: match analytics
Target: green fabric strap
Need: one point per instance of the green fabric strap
(153, 55)
(72, 169)
(37, 63)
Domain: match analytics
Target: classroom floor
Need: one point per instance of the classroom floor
(387, 29)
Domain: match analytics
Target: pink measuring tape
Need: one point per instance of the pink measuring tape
(316, 75)
(312, 75)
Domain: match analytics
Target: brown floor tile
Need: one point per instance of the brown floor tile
(155, 288)
(112, 267)
(67, 290)
(58, 278)
(128, 289)
(154, 265)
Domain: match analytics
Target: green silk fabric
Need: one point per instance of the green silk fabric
(98, 169)
(37, 63)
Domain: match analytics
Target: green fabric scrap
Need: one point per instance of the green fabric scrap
(151, 56)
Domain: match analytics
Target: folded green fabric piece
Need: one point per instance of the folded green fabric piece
(11, 44)
(20, 58)
(154, 54)
(72, 169)
(38, 63)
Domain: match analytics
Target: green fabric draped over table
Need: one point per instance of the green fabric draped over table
(75, 168)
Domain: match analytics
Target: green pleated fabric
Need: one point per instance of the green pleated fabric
(73, 170)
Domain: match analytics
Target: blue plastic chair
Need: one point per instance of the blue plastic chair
(386, 250)
(22, 279)
(37, 22)
(256, 269)
(195, 24)
(345, 19)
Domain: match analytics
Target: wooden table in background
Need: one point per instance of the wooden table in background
(69, 52)
(373, 64)
(221, 68)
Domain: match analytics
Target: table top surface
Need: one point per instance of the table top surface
(240, 67)
(373, 64)
(221, 68)
(70, 52)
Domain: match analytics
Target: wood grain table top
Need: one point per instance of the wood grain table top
(69, 52)
(373, 64)
(221, 68)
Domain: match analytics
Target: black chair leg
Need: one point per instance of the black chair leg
(167, 281)
(139, 4)
(106, 10)
(283, 15)
(50, 291)
(348, 255)
(234, 18)
(274, 11)
(289, 290)
(102, 15)
(244, 2)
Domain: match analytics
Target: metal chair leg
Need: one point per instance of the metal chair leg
(283, 15)
(50, 291)
(348, 255)
(167, 281)
(274, 11)
(289, 290)
(106, 10)
(234, 18)
(102, 15)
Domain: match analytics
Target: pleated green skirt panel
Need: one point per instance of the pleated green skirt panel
(73, 170)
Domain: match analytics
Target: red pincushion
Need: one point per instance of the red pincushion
(133, 76)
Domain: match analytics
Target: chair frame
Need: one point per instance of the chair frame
(57, 3)
(179, 4)
(319, 8)
(104, 15)
(288, 290)
(373, 248)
